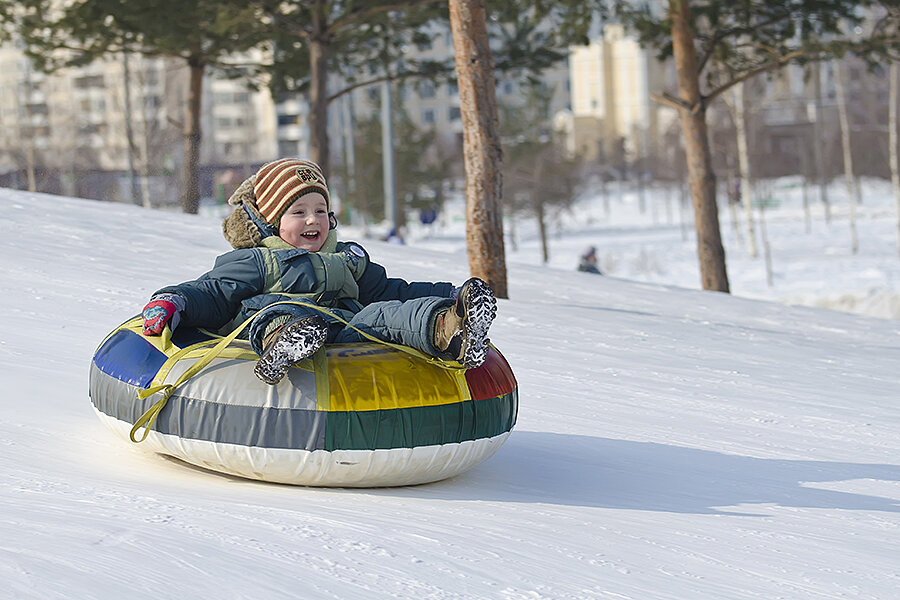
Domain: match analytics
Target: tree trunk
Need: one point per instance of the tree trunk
(538, 205)
(482, 153)
(767, 249)
(710, 252)
(30, 146)
(145, 156)
(892, 130)
(129, 133)
(538, 202)
(732, 208)
(389, 172)
(807, 217)
(740, 124)
(849, 177)
(318, 97)
(819, 141)
(190, 188)
(349, 146)
(30, 163)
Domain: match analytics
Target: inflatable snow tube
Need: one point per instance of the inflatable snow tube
(354, 415)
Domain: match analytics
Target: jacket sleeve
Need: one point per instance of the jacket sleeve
(376, 286)
(214, 298)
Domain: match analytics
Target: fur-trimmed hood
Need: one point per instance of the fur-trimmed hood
(240, 228)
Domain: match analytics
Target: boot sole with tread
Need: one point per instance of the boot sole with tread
(480, 308)
(299, 340)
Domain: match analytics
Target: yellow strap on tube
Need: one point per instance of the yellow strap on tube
(147, 419)
(444, 364)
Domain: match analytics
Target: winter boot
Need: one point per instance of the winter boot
(460, 332)
(289, 344)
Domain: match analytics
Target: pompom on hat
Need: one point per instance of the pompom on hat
(262, 199)
(278, 184)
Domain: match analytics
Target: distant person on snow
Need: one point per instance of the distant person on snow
(587, 262)
(394, 237)
(287, 249)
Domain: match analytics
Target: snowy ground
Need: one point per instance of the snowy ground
(671, 443)
(810, 267)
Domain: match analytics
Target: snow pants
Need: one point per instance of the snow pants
(409, 323)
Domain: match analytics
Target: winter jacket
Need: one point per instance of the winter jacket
(244, 281)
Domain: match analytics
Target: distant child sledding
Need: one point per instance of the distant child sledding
(587, 262)
(287, 250)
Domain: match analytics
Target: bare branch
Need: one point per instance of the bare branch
(363, 12)
(669, 100)
(764, 68)
(717, 36)
(721, 34)
(360, 84)
(382, 78)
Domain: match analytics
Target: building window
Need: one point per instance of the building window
(784, 144)
(428, 115)
(287, 119)
(38, 109)
(89, 81)
(453, 113)
(288, 148)
(89, 129)
(35, 132)
(426, 89)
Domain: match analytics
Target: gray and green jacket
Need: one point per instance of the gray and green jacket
(244, 281)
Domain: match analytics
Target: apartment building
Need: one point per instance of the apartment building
(77, 121)
(241, 125)
(69, 131)
(24, 112)
(612, 111)
(793, 124)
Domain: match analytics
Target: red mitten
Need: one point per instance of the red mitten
(160, 310)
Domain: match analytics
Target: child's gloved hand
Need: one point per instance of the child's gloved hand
(162, 309)
(355, 257)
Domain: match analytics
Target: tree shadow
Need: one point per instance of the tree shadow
(577, 470)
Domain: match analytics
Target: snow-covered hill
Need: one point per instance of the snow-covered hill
(671, 444)
(810, 259)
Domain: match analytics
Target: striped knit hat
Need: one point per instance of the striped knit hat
(281, 182)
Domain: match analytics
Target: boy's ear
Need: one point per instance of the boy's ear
(332, 221)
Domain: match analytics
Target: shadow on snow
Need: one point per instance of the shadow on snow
(577, 470)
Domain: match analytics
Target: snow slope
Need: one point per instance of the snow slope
(812, 263)
(671, 444)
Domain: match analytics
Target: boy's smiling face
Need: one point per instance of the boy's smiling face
(305, 223)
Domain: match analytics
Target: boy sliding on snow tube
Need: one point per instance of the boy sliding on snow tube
(287, 249)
